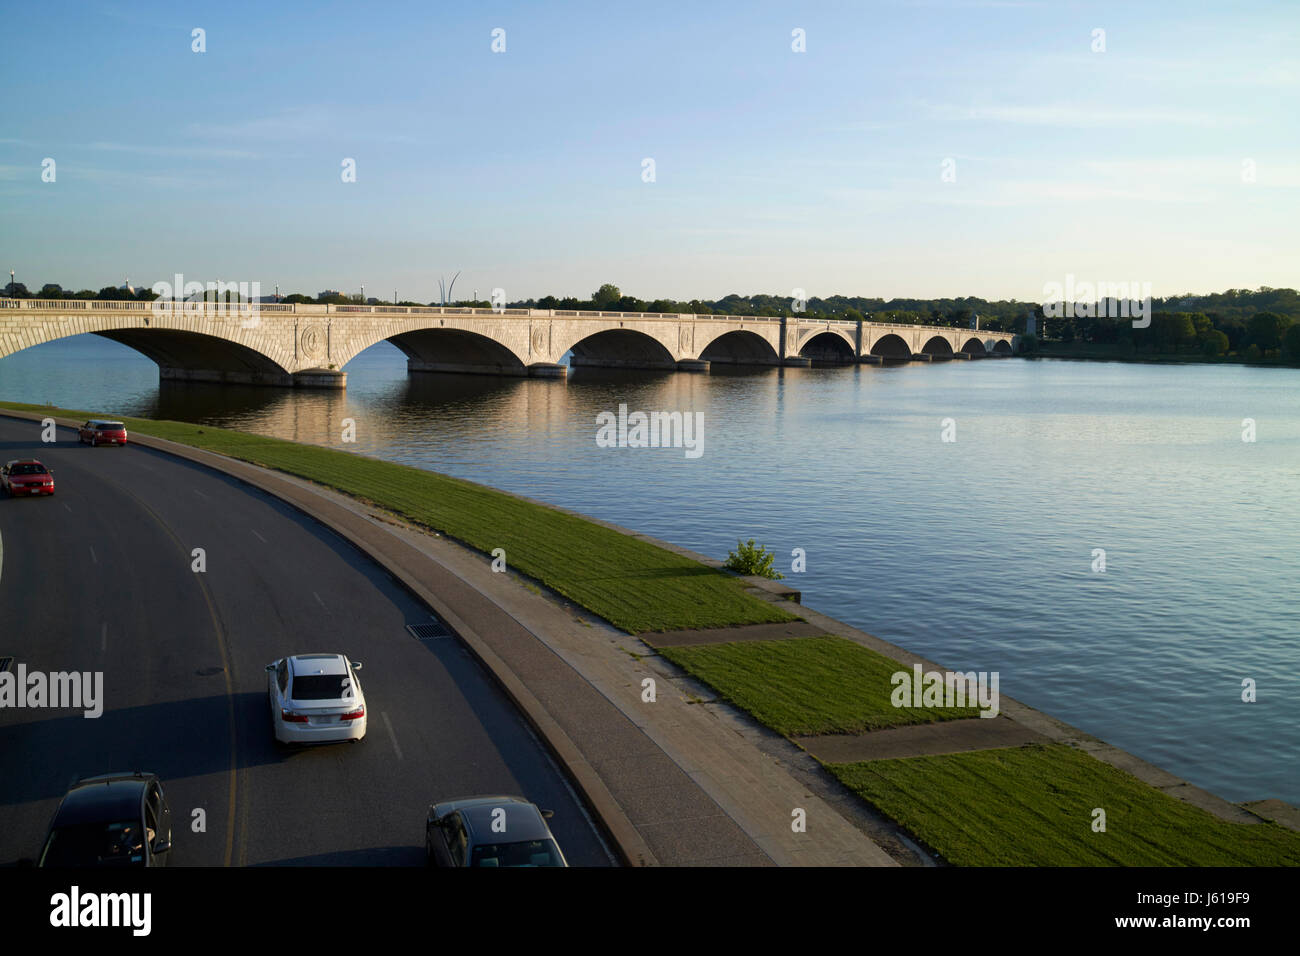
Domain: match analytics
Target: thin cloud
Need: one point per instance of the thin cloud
(1081, 116)
(188, 152)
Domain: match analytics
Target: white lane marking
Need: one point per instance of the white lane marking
(65, 504)
(199, 493)
(391, 736)
(103, 637)
(92, 554)
(318, 600)
(259, 537)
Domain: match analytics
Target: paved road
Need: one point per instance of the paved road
(98, 578)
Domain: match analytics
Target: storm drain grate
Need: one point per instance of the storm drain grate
(429, 632)
(6, 663)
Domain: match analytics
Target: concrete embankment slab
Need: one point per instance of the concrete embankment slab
(942, 737)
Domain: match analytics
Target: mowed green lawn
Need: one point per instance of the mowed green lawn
(807, 685)
(1033, 806)
(630, 583)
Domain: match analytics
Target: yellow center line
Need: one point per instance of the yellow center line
(225, 661)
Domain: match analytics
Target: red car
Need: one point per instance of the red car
(26, 476)
(99, 432)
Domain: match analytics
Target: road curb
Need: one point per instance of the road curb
(618, 828)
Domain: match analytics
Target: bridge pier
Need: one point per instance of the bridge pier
(320, 378)
(796, 361)
(922, 357)
(465, 368)
(548, 370)
(172, 373)
(601, 361)
(308, 378)
(692, 365)
(870, 359)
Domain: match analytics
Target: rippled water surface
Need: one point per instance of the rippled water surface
(976, 553)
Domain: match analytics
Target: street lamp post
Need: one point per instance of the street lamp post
(363, 293)
(12, 288)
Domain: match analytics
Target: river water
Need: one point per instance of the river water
(978, 553)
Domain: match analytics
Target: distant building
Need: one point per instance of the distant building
(1031, 323)
(321, 295)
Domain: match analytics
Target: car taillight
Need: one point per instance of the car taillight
(354, 714)
(290, 717)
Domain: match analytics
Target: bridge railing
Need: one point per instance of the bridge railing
(308, 308)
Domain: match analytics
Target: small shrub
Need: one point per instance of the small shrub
(751, 559)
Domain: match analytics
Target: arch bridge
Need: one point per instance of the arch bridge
(308, 345)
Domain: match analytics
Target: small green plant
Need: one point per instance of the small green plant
(751, 559)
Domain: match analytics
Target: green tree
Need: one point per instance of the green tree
(605, 297)
(1213, 343)
(1291, 342)
(1265, 330)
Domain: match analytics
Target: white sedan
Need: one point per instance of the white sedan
(316, 699)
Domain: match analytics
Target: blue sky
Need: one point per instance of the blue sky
(774, 169)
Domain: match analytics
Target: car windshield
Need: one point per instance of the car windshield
(322, 687)
(27, 470)
(527, 853)
(111, 427)
(95, 844)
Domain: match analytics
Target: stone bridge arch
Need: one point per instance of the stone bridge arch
(623, 344)
(891, 345)
(939, 344)
(807, 335)
(737, 346)
(446, 343)
(188, 345)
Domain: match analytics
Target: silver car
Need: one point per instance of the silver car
(490, 831)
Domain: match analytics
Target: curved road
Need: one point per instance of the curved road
(98, 578)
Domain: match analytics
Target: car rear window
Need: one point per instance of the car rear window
(527, 853)
(321, 687)
(96, 844)
(111, 427)
(27, 470)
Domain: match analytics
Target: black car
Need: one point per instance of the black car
(117, 819)
(490, 831)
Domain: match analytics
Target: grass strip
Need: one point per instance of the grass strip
(807, 685)
(1033, 806)
(633, 584)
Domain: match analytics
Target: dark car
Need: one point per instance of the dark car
(26, 476)
(99, 432)
(490, 831)
(118, 819)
